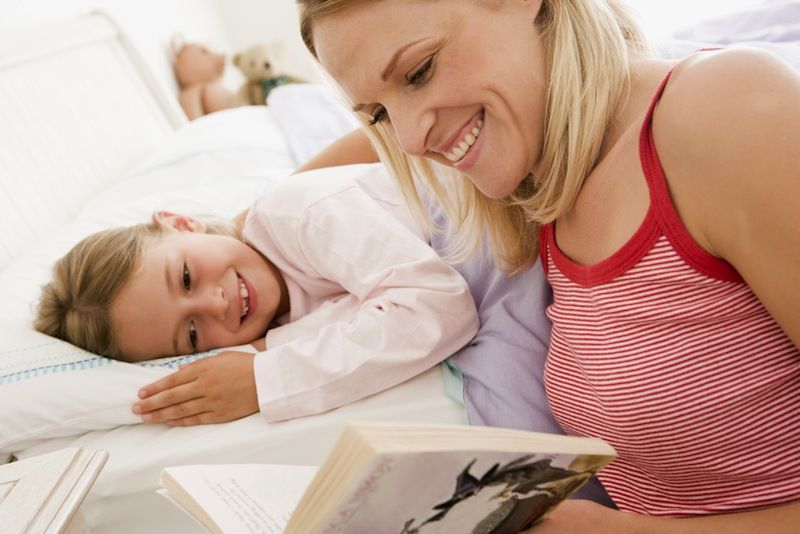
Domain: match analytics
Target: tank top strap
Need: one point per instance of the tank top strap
(663, 207)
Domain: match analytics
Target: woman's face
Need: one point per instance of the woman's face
(457, 81)
(193, 292)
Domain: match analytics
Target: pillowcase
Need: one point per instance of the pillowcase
(311, 117)
(51, 389)
(216, 165)
(773, 26)
(774, 21)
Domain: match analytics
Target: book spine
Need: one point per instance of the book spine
(336, 525)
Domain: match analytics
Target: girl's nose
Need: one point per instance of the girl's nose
(214, 303)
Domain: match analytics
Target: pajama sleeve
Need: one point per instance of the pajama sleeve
(400, 309)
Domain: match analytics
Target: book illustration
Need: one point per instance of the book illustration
(495, 492)
(390, 478)
(506, 499)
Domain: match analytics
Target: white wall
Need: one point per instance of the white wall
(227, 26)
(149, 23)
(255, 21)
(232, 25)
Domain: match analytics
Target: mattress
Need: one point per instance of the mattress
(110, 157)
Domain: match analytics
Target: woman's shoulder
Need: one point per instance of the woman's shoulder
(721, 94)
(726, 117)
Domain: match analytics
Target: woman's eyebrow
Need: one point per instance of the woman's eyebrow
(391, 66)
(395, 58)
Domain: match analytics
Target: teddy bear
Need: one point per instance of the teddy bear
(257, 63)
(199, 74)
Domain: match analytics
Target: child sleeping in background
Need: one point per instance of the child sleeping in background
(328, 277)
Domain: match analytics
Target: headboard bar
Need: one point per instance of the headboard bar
(78, 108)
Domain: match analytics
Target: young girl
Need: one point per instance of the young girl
(662, 196)
(351, 299)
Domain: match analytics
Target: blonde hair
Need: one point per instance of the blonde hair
(76, 304)
(588, 46)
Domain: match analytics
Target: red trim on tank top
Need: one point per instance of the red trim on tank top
(661, 219)
(660, 198)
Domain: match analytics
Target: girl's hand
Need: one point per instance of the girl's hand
(213, 390)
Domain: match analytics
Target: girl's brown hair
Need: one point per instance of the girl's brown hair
(76, 304)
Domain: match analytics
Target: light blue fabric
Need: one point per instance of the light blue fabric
(454, 383)
(502, 368)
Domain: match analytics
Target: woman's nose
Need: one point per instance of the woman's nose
(411, 127)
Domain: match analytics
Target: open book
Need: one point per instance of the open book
(44, 493)
(409, 479)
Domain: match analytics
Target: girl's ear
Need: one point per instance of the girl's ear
(178, 223)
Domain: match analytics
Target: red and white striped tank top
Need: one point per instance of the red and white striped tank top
(663, 351)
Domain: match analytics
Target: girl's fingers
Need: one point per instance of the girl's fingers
(171, 397)
(177, 412)
(203, 418)
(183, 376)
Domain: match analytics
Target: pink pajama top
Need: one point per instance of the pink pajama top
(371, 304)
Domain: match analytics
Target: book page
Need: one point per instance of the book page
(43, 492)
(246, 498)
(459, 491)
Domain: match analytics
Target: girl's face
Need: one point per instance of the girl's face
(457, 81)
(193, 292)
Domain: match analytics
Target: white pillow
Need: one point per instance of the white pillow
(216, 165)
(311, 117)
(51, 389)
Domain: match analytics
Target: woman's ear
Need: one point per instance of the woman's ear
(178, 223)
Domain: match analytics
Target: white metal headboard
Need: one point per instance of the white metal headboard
(78, 107)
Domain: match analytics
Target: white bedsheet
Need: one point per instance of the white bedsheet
(123, 499)
(217, 165)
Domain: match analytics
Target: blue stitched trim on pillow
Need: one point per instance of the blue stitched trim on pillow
(79, 365)
(60, 357)
(173, 362)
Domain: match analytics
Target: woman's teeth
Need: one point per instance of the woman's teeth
(244, 294)
(463, 146)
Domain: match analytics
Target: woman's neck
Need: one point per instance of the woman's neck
(646, 74)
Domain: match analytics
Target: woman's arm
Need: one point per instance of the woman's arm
(728, 136)
(578, 516)
(349, 149)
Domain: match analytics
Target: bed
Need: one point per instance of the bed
(108, 148)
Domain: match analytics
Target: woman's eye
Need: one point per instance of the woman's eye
(422, 74)
(193, 336)
(378, 115)
(187, 279)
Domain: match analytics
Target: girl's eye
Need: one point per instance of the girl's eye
(422, 74)
(193, 336)
(378, 115)
(187, 279)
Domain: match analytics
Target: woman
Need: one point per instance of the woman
(663, 198)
